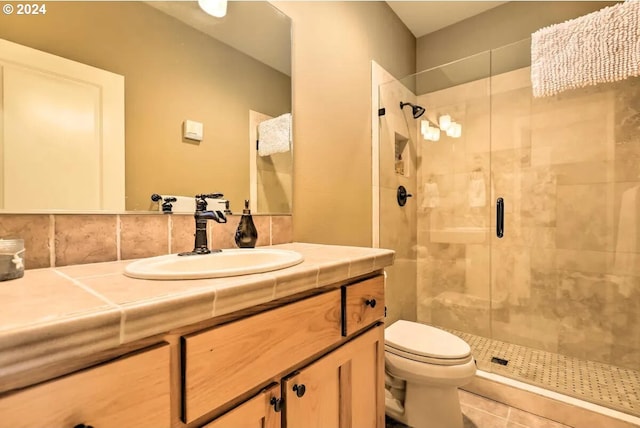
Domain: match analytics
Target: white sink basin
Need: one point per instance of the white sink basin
(215, 265)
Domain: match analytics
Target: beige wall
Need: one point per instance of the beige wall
(496, 27)
(333, 45)
(172, 73)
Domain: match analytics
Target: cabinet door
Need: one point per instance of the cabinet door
(261, 411)
(362, 381)
(129, 392)
(344, 389)
(312, 396)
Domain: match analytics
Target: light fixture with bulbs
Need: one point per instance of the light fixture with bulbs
(454, 130)
(444, 122)
(430, 133)
(217, 8)
(451, 128)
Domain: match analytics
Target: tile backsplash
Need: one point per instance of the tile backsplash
(53, 240)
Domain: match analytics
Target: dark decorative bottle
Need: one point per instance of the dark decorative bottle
(246, 234)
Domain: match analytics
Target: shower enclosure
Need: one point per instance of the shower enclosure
(555, 301)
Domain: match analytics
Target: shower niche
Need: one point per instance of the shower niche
(401, 155)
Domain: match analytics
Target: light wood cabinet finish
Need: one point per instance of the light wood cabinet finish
(186, 380)
(227, 361)
(363, 304)
(129, 392)
(344, 389)
(258, 412)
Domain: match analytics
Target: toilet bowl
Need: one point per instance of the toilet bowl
(424, 367)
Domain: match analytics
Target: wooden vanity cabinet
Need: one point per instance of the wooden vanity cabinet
(342, 389)
(313, 362)
(132, 391)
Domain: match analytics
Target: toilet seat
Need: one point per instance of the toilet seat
(426, 344)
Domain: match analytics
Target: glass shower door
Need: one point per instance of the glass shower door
(454, 198)
(441, 275)
(565, 276)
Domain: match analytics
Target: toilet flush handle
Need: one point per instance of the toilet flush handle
(371, 302)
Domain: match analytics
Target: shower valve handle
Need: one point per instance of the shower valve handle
(402, 195)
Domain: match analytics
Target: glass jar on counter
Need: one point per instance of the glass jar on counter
(11, 259)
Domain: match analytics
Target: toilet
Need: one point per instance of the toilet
(424, 366)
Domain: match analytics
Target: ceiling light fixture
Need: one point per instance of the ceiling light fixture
(217, 8)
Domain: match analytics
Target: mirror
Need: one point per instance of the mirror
(180, 64)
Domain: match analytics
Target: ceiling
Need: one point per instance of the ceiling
(424, 17)
(256, 28)
(269, 39)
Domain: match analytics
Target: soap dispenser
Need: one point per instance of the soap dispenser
(246, 234)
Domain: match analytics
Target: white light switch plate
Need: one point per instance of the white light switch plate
(192, 130)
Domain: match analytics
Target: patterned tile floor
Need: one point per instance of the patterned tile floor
(480, 412)
(602, 384)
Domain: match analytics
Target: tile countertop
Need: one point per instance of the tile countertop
(55, 314)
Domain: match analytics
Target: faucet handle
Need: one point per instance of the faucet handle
(210, 196)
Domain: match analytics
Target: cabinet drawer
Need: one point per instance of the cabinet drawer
(133, 391)
(227, 361)
(362, 304)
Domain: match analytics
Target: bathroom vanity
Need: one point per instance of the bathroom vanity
(298, 347)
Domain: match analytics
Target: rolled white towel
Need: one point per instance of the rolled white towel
(274, 135)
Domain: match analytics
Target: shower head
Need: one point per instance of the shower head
(415, 109)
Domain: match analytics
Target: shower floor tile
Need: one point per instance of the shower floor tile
(613, 387)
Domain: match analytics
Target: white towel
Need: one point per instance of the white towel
(603, 46)
(431, 195)
(274, 135)
(477, 190)
(187, 204)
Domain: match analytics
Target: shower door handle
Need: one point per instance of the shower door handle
(500, 218)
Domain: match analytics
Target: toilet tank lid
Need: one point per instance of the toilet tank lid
(424, 340)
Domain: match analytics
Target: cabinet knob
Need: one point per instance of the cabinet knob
(371, 302)
(82, 426)
(299, 389)
(276, 403)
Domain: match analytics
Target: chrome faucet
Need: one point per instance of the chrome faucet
(202, 215)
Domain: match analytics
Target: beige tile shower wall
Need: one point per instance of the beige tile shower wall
(60, 240)
(398, 146)
(566, 276)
